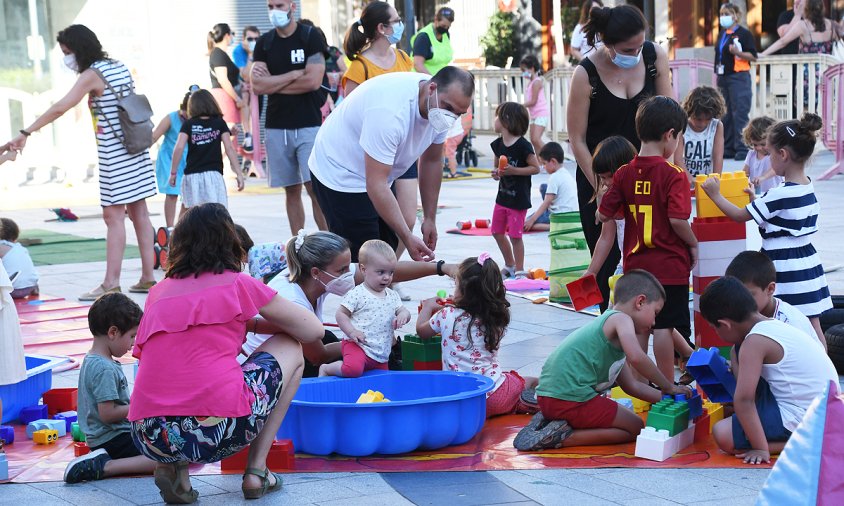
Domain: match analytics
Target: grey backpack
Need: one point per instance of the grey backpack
(135, 116)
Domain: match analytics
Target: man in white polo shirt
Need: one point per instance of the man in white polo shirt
(371, 139)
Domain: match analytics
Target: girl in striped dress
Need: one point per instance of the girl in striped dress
(787, 217)
(126, 180)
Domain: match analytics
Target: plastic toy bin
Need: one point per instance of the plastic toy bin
(570, 254)
(427, 410)
(39, 379)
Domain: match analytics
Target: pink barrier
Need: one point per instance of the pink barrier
(693, 68)
(257, 155)
(833, 139)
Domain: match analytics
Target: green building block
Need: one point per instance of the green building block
(76, 432)
(669, 415)
(724, 351)
(416, 349)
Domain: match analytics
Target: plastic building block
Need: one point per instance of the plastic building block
(702, 428)
(280, 458)
(707, 267)
(626, 402)
(481, 223)
(464, 225)
(705, 335)
(371, 396)
(695, 404)
(715, 412)
(725, 352)
(45, 437)
(69, 417)
(733, 185)
(669, 415)
(60, 399)
(80, 448)
(721, 249)
(431, 365)
(7, 434)
(639, 406)
(710, 371)
(584, 292)
(718, 229)
(32, 413)
(699, 284)
(76, 432)
(653, 444)
(415, 349)
(46, 424)
(4, 467)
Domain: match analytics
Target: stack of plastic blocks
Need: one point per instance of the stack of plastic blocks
(710, 371)
(733, 185)
(419, 354)
(659, 445)
(639, 406)
(669, 415)
(715, 412)
(46, 424)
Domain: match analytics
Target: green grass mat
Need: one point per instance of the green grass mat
(58, 248)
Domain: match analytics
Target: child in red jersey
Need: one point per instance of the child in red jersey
(654, 197)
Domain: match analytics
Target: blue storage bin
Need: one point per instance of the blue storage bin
(39, 379)
(427, 410)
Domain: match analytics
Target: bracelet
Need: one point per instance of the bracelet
(255, 325)
(25, 133)
(440, 268)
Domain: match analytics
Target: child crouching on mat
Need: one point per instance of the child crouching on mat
(103, 402)
(779, 371)
(472, 328)
(572, 410)
(369, 315)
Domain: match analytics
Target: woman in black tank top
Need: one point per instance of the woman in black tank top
(605, 93)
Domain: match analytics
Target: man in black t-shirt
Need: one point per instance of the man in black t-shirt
(289, 65)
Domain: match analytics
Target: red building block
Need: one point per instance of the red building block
(60, 399)
(280, 458)
(705, 335)
(80, 449)
(584, 293)
(718, 229)
(702, 427)
(699, 284)
(433, 365)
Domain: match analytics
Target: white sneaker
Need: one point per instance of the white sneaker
(401, 293)
(508, 271)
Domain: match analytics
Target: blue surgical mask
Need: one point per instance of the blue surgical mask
(279, 18)
(526, 74)
(726, 21)
(398, 30)
(252, 46)
(626, 61)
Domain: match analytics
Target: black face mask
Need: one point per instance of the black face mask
(441, 30)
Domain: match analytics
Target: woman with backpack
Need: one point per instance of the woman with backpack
(126, 179)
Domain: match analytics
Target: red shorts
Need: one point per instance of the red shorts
(507, 398)
(508, 220)
(596, 413)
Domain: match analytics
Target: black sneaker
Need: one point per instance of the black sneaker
(87, 467)
(542, 434)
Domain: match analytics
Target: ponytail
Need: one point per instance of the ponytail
(364, 30)
(483, 296)
(305, 251)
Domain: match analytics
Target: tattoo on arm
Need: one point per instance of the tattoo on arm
(317, 58)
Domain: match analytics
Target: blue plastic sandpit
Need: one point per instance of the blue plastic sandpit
(39, 379)
(427, 410)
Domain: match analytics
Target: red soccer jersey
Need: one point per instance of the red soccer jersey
(649, 191)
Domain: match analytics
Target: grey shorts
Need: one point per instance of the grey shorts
(287, 155)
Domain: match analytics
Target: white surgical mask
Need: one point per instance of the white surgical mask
(279, 18)
(339, 285)
(70, 61)
(251, 46)
(626, 61)
(398, 30)
(441, 120)
(726, 21)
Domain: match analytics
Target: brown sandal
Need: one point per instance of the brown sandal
(257, 493)
(167, 481)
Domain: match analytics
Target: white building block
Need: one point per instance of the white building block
(707, 267)
(655, 444)
(686, 438)
(721, 249)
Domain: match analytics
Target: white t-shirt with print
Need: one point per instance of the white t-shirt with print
(786, 313)
(381, 119)
(373, 315)
(463, 352)
(563, 187)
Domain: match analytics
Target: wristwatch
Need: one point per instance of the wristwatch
(440, 268)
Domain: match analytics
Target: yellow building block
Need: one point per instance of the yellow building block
(733, 185)
(639, 406)
(716, 413)
(45, 436)
(371, 396)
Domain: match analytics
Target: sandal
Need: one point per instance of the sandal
(257, 493)
(97, 292)
(167, 481)
(142, 287)
(448, 175)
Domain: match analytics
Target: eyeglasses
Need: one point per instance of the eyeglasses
(251, 39)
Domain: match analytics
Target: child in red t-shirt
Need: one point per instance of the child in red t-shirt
(654, 197)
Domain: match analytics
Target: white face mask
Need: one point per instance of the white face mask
(441, 120)
(70, 61)
(252, 46)
(279, 18)
(339, 285)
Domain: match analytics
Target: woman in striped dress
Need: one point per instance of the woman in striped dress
(787, 216)
(125, 179)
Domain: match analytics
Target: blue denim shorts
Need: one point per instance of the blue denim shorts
(208, 439)
(769, 415)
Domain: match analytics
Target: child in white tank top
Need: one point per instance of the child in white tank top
(703, 141)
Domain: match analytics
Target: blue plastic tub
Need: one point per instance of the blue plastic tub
(427, 410)
(39, 379)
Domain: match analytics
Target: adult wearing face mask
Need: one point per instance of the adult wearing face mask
(606, 90)
(320, 264)
(126, 180)
(289, 67)
(242, 57)
(432, 44)
(371, 139)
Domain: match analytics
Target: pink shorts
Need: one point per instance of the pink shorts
(507, 399)
(511, 221)
(355, 361)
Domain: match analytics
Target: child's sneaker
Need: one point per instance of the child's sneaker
(508, 271)
(521, 275)
(88, 467)
(247, 143)
(542, 434)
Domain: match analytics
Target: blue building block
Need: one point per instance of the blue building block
(68, 416)
(710, 371)
(4, 467)
(46, 424)
(695, 404)
(7, 434)
(32, 413)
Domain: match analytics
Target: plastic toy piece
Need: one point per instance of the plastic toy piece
(699, 284)
(32, 413)
(46, 424)
(695, 404)
(705, 335)
(80, 448)
(502, 162)
(76, 432)
(371, 396)
(718, 229)
(162, 236)
(721, 249)
(715, 412)
(707, 267)
(7, 434)
(4, 467)
(537, 273)
(415, 350)
(702, 428)
(431, 365)
(481, 223)
(442, 294)
(45, 437)
(669, 415)
(60, 399)
(639, 406)
(464, 225)
(653, 444)
(709, 369)
(733, 185)
(280, 458)
(626, 402)
(584, 292)
(69, 417)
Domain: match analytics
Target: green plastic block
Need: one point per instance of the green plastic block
(669, 415)
(724, 351)
(76, 432)
(416, 349)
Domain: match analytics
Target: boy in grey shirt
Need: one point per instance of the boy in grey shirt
(103, 402)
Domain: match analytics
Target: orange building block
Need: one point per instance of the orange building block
(733, 185)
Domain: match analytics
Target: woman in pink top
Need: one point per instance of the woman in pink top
(192, 401)
(535, 101)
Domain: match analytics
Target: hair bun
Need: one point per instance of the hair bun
(810, 122)
(600, 17)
